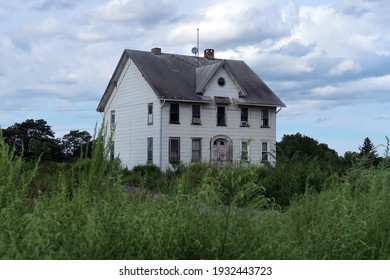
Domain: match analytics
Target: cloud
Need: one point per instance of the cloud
(46, 5)
(145, 12)
(231, 23)
(48, 27)
(344, 66)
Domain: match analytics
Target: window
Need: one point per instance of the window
(221, 82)
(196, 149)
(221, 116)
(150, 150)
(174, 113)
(244, 150)
(112, 120)
(112, 151)
(196, 114)
(244, 116)
(264, 117)
(174, 150)
(264, 152)
(150, 113)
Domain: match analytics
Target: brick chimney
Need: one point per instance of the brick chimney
(156, 51)
(209, 53)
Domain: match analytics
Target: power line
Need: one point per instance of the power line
(46, 110)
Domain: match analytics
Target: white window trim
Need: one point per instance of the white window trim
(248, 146)
(268, 150)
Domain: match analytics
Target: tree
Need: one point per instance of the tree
(368, 151)
(32, 139)
(74, 143)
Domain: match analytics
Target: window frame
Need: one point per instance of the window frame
(265, 154)
(150, 113)
(196, 118)
(198, 152)
(265, 118)
(112, 151)
(247, 150)
(112, 119)
(174, 113)
(243, 122)
(149, 150)
(224, 116)
(171, 159)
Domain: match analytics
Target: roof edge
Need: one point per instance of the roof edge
(113, 81)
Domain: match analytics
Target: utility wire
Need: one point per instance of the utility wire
(46, 110)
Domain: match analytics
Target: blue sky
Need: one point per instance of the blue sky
(329, 61)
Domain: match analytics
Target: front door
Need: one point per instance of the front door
(221, 149)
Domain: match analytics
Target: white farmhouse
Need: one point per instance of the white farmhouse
(169, 108)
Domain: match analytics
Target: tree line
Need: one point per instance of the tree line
(33, 139)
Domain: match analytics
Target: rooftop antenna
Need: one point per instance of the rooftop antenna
(195, 50)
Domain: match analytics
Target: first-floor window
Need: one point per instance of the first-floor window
(174, 150)
(264, 152)
(244, 150)
(112, 151)
(196, 149)
(150, 149)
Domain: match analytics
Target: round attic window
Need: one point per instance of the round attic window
(221, 82)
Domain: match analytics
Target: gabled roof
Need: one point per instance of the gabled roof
(184, 78)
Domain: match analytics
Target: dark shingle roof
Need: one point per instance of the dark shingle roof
(182, 78)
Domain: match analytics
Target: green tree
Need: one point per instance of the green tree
(75, 143)
(368, 151)
(32, 139)
(304, 148)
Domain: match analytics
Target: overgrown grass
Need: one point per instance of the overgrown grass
(80, 211)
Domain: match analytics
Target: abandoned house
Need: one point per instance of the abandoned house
(166, 109)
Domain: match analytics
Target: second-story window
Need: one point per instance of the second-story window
(174, 113)
(264, 117)
(244, 116)
(112, 120)
(221, 116)
(150, 113)
(196, 114)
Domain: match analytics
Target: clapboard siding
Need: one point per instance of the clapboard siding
(208, 129)
(132, 94)
(130, 101)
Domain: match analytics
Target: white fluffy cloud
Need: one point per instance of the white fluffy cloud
(317, 57)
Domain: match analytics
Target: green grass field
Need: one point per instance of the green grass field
(80, 211)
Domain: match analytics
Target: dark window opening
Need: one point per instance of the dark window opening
(150, 150)
(196, 149)
(196, 114)
(150, 113)
(244, 116)
(174, 150)
(264, 152)
(264, 118)
(221, 116)
(221, 82)
(174, 113)
(112, 120)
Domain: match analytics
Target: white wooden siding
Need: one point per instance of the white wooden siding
(130, 101)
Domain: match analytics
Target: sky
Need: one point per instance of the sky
(329, 61)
